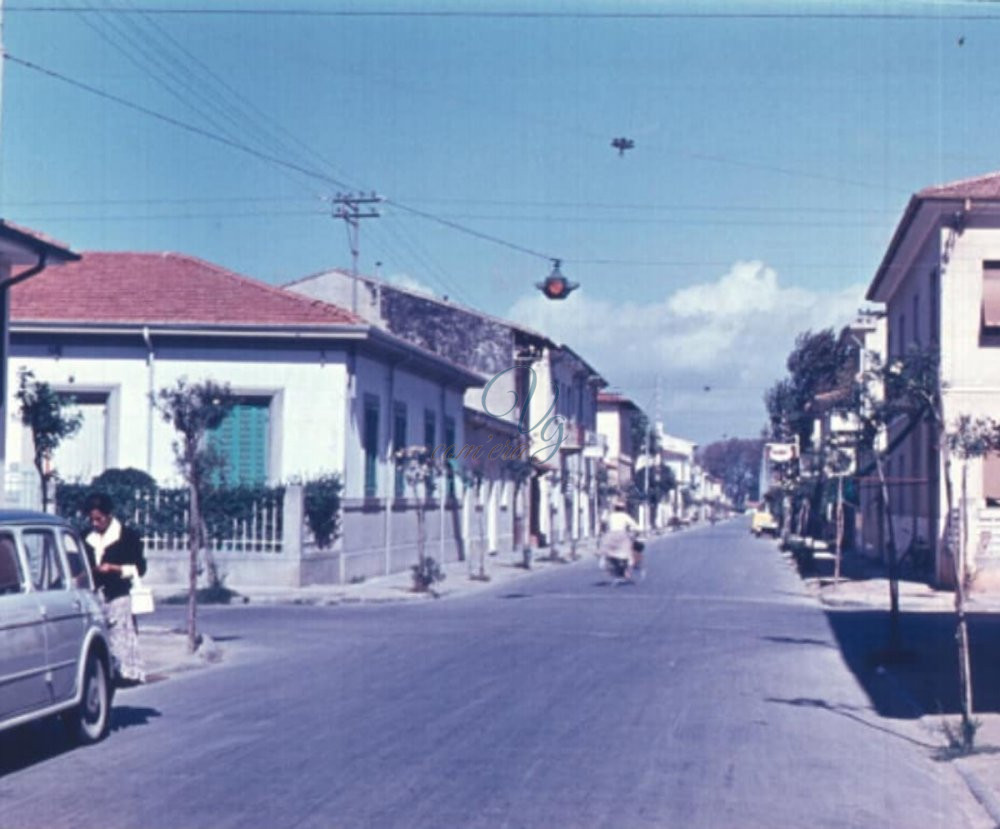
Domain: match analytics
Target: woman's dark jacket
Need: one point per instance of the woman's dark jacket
(126, 550)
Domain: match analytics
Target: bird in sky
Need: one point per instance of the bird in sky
(622, 144)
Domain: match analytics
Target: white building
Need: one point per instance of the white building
(526, 381)
(940, 283)
(319, 390)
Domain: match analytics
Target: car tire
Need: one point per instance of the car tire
(90, 721)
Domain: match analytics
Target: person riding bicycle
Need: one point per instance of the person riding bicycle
(618, 545)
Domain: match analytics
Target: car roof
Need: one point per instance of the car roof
(26, 516)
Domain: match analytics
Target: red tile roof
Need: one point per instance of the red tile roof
(169, 288)
(614, 397)
(980, 187)
(21, 233)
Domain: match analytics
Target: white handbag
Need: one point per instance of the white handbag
(142, 598)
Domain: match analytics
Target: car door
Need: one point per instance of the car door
(63, 614)
(23, 664)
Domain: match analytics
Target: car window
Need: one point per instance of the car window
(11, 578)
(43, 559)
(79, 570)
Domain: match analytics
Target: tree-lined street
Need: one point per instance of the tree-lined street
(713, 694)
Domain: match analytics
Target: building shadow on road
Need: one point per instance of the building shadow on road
(921, 677)
(849, 712)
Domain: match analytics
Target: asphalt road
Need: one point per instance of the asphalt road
(711, 695)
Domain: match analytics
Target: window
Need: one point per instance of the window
(242, 441)
(79, 571)
(449, 440)
(43, 560)
(11, 578)
(916, 318)
(84, 455)
(991, 479)
(430, 438)
(370, 443)
(901, 342)
(399, 442)
(934, 306)
(991, 295)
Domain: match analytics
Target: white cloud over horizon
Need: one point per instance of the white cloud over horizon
(410, 283)
(731, 335)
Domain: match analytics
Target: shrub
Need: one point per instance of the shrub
(427, 573)
(322, 508)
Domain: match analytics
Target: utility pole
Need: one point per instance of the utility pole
(649, 451)
(352, 208)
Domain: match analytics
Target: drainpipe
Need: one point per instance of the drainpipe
(151, 364)
(443, 484)
(5, 286)
(390, 477)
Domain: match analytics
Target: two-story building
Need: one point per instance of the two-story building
(940, 284)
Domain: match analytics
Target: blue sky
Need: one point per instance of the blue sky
(776, 145)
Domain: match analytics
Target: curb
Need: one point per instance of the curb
(983, 793)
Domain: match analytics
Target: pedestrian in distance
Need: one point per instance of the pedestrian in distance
(116, 557)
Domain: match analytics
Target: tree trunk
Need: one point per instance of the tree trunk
(891, 555)
(962, 633)
(194, 526)
(421, 542)
(839, 529)
(43, 483)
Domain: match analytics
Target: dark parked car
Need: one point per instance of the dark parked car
(54, 654)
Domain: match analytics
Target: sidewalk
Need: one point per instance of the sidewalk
(921, 682)
(165, 652)
(461, 578)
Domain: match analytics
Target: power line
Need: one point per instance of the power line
(665, 206)
(176, 122)
(264, 156)
(652, 206)
(479, 234)
(652, 220)
(513, 14)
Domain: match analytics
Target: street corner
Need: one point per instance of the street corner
(166, 653)
(977, 768)
(873, 594)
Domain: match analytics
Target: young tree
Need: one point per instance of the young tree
(419, 470)
(194, 411)
(49, 420)
(968, 439)
(912, 394)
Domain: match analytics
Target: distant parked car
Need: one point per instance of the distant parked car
(763, 522)
(54, 654)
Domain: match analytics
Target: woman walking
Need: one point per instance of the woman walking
(115, 553)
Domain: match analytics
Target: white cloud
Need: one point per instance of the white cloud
(409, 283)
(732, 335)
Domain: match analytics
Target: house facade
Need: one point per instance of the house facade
(547, 392)
(615, 417)
(678, 454)
(318, 390)
(24, 254)
(939, 282)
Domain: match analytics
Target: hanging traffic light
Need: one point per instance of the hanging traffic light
(557, 286)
